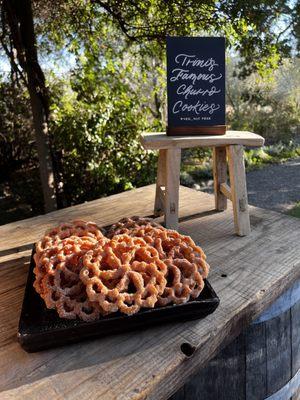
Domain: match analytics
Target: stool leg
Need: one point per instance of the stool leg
(173, 158)
(238, 186)
(160, 181)
(220, 176)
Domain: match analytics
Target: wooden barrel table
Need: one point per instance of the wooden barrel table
(262, 363)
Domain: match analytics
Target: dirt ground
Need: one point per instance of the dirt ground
(275, 186)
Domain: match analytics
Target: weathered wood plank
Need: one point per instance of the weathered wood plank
(173, 158)
(278, 337)
(21, 234)
(242, 370)
(220, 177)
(226, 373)
(160, 181)
(256, 362)
(149, 363)
(179, 395)
(159, 140)
(295, 339)
(226, 191)
(238, 190)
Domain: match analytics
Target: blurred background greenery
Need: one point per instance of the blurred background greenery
(104, 64)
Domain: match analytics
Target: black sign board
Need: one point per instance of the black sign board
(196, 85)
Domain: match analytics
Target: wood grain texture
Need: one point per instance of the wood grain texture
(220, 177)
(147, 364)
(278, 337)
(223, 378)
(258, 364)
(196, 130)
(173, 159)
(226, 191)
(278, 348)
(160, 181)
(295, 343)
(285, 302)
(238, 189)
(159, 140)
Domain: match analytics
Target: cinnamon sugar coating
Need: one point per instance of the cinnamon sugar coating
(83, 274)
(124, 275)
(125, 225)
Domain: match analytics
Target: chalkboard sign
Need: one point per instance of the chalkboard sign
(196, 85)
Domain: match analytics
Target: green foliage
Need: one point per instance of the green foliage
(295, 211)
(276, 153)
(251, 28)
(270, 107)
(16, 144)
(19, 178)
(96, 122)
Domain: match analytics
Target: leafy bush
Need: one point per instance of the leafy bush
(19, 178)
(96, 122)
(269, 106)
(16, 140)
(295, 211)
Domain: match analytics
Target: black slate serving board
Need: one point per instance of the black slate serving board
(40, 328)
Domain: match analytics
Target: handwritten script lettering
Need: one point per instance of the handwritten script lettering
(196, 108)
(186, 60)
(187, 91)
(185, 75)
(195, 81)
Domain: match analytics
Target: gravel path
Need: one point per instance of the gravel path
(276, 187)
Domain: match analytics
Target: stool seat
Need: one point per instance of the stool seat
(228, 155)
(160, 140)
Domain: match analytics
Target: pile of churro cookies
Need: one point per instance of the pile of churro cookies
(84, 272)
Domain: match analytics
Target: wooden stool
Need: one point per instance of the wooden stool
(225, 147)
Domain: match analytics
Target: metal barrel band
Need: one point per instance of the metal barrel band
(286, 301)
(288, 390)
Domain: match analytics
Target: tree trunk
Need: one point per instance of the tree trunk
(42, 140)
(20, 21)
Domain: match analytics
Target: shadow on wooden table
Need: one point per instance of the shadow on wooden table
(77, 359)
(15, 250)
